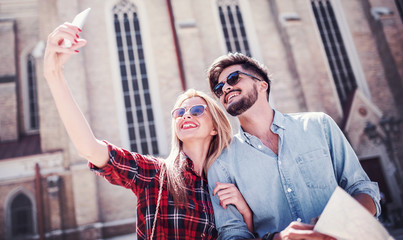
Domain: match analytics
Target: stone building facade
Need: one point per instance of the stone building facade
(342, 57)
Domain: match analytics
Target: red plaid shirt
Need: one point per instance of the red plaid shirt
(141, 174)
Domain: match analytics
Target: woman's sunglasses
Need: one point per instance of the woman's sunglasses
(195, 111)
(232, 80)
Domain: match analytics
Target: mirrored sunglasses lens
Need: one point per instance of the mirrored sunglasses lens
(178, 113)
(233, 78)
(197, 110)
(218, 89)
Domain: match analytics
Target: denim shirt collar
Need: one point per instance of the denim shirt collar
(278, 122)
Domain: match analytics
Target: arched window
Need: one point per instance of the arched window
(33, 116)
(21, 213)
(335, 49)
(135, 85)
(233, 26)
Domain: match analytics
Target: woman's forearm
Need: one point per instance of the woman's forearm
(74, 121)
(248, 219)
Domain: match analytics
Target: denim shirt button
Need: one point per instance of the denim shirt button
(259, 146)
(289, 190)
(299, 219)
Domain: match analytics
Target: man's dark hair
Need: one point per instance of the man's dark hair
(247, 63)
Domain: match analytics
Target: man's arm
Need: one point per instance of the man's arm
(366, 201)
(348, 170)
(229, 222)
(228, 194)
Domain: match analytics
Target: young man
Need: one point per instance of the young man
(285, 165)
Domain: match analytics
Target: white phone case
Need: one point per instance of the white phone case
(78, 21)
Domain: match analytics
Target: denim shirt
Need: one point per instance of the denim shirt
(313, 159)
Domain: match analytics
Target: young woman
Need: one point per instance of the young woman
(173, 198)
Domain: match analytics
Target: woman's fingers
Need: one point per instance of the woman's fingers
(217, 188)
(224, 203)
(79, 44)
(226, 196)
(56, 55)
(221, 186)
(57, 37)
(70, 30)
(228, 193)
(64, 31)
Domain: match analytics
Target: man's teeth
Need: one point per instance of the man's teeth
(236, 94)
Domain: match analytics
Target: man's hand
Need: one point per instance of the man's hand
(298, 230)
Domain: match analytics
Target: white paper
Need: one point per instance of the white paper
(344, 218)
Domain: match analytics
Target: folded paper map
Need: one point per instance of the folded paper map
(344, 218)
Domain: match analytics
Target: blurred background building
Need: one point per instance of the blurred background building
(342, 57)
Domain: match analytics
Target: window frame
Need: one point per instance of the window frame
(151, 73)
(351, 51)
(25, 89)
(240, 26)
(8, 212)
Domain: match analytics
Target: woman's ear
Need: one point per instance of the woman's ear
(213, 132)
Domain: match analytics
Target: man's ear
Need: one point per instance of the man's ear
(263, 85)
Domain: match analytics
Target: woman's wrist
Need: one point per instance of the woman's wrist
(53, 73)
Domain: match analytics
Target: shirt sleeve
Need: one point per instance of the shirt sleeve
(350, 175)
(127, 169)
(229, 222)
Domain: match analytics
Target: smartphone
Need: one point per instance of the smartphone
(78, 21)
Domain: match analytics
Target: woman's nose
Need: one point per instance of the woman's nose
(187, 114)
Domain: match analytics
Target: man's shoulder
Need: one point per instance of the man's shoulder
(304, 117)
(237, 144)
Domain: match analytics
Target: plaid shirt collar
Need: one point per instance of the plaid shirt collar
(189, 166)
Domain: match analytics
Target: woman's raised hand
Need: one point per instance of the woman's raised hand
(228, 193)
(56, 55)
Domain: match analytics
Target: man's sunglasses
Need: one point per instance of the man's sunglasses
(195, 111)
(232, 80)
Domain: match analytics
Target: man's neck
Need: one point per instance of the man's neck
(257, 121)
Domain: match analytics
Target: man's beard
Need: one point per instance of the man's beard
(239, 107)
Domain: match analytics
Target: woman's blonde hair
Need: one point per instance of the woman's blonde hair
(174, 167)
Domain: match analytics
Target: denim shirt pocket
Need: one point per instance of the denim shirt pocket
(316, 168)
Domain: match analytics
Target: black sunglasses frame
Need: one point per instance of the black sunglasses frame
(232, 80)
(190, 111)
